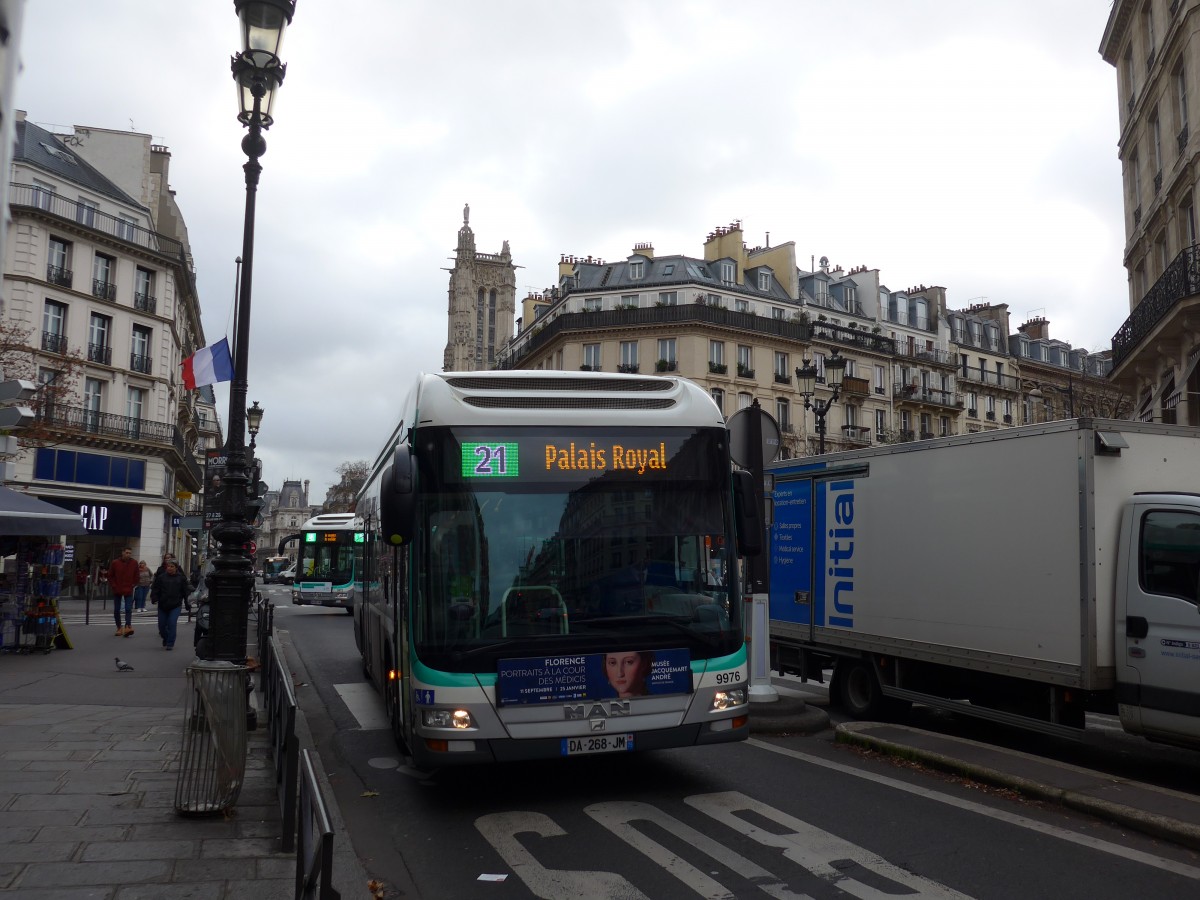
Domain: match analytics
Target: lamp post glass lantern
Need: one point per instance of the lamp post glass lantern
(258, 73)
(806, 377)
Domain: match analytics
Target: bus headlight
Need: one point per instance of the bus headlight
(728, 699)
(446, 718)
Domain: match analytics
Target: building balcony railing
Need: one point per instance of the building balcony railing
(1180, 280)
(666, 365)
(1137, 216)
(856, 435)
(853, 386)
(139, 363)
(915, 393)
(783, 378)
(53, 342)
(744, 371)
(104, 290)
(144, 302)
(1182, 139)
(60, 276)
(717, 368)
(934, 357)
(526, 345)
(69, 210)
(1158, 181)
(100, 353)
(977, 375)
(628, 368)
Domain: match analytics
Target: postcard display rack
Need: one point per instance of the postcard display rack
(29, 620)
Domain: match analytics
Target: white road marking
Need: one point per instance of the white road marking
(1092, 843)
(501, 831)
(820, 852)
(364, 704)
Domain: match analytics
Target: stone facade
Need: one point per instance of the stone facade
(482, 304)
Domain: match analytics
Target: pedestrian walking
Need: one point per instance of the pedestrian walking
(142, 591)
(122, 579)
(167, 592)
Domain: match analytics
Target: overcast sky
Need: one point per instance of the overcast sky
(969, 145)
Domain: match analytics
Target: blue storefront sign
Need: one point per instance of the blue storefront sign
(593, 676)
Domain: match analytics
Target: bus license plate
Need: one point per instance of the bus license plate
(604, 743)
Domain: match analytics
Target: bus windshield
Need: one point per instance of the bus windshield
(572, 552)
(276, 564)
(329, 557)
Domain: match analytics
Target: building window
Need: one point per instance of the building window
(637, 268)
(741, 305)
(714, 300)
(783, 371)
(1180, 77)
(593, 304)
(143, 290)
(718, 396)
(744, 400)
(629, 356)
(668, 298)
(631, 300)
(99, 339)
(716, 353)
(591, 357)
(880, 425)
(139, 352)
(745, 361)
(944, 426)
(93, 403)
(43, 195)
(103, 271)
(666, 351)
(669, 269)
(783, 414)
(85, 213)
(819, 362)
(972, 404)
(880, 380)
(135, 404)
(727, 273)
(764, 281)
(777, 313)
(54, 327)
(926, 426)
(126, 227)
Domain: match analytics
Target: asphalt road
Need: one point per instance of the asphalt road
(781, 817)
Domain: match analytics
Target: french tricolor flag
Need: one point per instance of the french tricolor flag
(208, 365)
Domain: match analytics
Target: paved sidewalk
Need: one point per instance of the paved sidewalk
(89, 759)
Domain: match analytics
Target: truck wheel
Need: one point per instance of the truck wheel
(858, 690)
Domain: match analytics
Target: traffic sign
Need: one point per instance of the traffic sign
(740, 424)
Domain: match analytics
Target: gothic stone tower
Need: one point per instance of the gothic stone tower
(482, 303)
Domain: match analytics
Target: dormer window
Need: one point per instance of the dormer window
(727, 272)
(637, 269)
(669, 269)
(764, 281)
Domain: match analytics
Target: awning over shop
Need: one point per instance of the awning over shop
(22, 515)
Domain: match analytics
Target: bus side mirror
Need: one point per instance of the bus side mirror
(748, 515)
(397, 503)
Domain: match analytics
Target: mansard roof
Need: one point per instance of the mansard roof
(665, 271)
(42, 149)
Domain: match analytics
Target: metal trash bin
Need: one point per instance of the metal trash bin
(212, 764)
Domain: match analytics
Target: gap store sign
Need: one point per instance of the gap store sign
(102, 517)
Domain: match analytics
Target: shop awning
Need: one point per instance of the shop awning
(25, 516)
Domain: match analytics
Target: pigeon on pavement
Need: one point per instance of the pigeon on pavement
(122, 666)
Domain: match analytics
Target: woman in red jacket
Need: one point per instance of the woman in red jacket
(123, 578)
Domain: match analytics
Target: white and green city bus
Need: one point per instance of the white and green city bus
(329, 558)
(550, 568)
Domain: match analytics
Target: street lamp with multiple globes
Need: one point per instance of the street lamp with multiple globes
(806, 375)
(1038, 393)
(258, 72)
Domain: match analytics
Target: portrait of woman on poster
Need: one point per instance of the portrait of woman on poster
(627, 671)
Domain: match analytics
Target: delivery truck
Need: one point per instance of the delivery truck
(1026, 576)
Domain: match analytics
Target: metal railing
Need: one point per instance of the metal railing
(104, 290)
(144, 302)
(314, 857)
(60, 276)
(542, 334)
(100, 353)
(74, 212)
(979, 375)
(53, 342)
(280, 704)
(915, 393)
(94, 422)
(139, 363)
(1181, 279)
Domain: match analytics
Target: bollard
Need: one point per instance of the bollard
(212, 764)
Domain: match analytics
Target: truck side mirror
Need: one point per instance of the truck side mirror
(748, 515)
(397, 502)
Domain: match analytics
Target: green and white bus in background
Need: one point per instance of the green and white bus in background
(329, 559)
(550, 568)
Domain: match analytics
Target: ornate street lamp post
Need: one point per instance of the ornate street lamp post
(806, 376)
(258, 72)
(1038, 393)
(253, 422)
